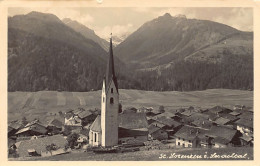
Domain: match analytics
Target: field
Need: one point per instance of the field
(243, 153)
(44, 103)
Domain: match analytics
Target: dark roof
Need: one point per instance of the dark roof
(221, 121)
(229, 116)
(223, 132)
(167, 121)
(190, 133)
(15, 125)
(153, 129)
(221, 140)
(205, 124)
(245, 122)
(235, 113)
(166, 114)
(110, 73)
(84, 114)
(218, 109)
(132, 120)
(40, 144)
(246, 115)
(56, 123)
(96, 125)
(195, 117)
(34, 128)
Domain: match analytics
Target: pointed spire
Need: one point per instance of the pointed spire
(110, 73)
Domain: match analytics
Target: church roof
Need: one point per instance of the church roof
(110, 73)
(132, 120)
(96, 125)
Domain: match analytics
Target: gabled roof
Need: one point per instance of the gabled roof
(229, 116)
(223, 132)
(153, 129)
(221, 140)
(84, 114)
(218, 109)
(56, 123)
(246, 115)
(205, 124)
(132, 120)
(190, 133)
(166, 114)
(40, 144)
(96, 125)
(167, 121)
(245, 122)
(221, 121)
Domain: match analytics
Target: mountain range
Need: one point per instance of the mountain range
(166, 53)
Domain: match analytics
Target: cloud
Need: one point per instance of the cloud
(117, 30)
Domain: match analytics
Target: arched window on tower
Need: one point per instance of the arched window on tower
(111, 100)
(111, 90)
(95, 139)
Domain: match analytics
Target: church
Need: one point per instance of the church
(112, 128)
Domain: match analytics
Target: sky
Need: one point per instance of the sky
(123, 21)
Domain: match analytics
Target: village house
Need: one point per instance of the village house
(156, 133)
(189, 136)
(72, 120)
(31, 129)
(246, 140)
(219, 110)
(244, 126)
(54, 126)
(38, 146)
(223, 136)
(167, 124)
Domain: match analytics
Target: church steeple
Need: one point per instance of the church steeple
(110, 73)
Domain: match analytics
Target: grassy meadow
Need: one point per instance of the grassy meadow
(48, 103)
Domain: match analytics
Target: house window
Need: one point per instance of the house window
(95, 137)
(111, 90)
(179, 143)
(183, 139)
(111, 100)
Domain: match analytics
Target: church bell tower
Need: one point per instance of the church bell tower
(109, 104)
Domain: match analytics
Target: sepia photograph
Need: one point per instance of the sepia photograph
(166, 83)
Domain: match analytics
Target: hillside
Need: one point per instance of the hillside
(165, 54)
(168, 39)
(86, 32)
(46, 54)
(43, 103)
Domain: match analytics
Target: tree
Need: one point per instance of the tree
(72, 140)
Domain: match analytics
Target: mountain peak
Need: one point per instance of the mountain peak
(43, 16)
(167, 15)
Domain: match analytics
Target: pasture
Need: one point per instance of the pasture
(43, 103)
